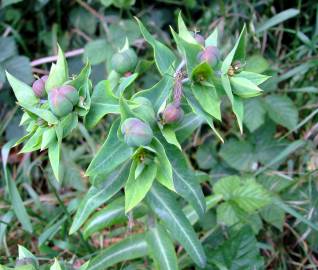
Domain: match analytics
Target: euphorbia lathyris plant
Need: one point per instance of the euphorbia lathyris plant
(141, 168)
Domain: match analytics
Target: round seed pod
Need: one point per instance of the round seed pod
(125, 61)
(38, 86)
(172, 113)
(136, 132)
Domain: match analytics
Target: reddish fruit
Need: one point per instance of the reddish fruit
(38, 86)
(172, 113)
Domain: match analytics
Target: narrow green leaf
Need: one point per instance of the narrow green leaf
(96, 196)
(164, 169)
(212, 39)
(112, 153)
(277, 19)
(185, 181)
(163, 203)
(164, 57)
(161, 248)
(170, 136)
(255, 78)
(184, 32)
(132, 247)
(137, 188)
(244, 88)
(54, 157)
(238, 109)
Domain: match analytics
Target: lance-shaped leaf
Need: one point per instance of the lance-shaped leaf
(164, 169)
(183, 31)
(113, 153)
(185, 181)
(170, 136)
(132, 247)
(237, 53)
(253, 77)
(44, 114)
(113, 213)
(164, 57)
(15, 198)
(54, 157)
(244, 88)
(125, 82)
(197, 109)
(96, 196)
(103, 102)
(82, 77)
(161, 248)
(23, 92)
(189, 51)
(238, 109)
(164, 204)
(58, 73)
(158, 93)
(188, 125)
(137, 187)
(26, 254)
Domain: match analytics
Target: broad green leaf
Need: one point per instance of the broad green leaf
(253, 77)
(112, 214)
(164, 204)
(196, 107)
(237, 53)
(23, 92)
(164, 169)
(282, 110)
(54, 157)
(238, 154)
(239, 251)
(244, 88)
(132, 247)
(226, 186)
(8, 47)
(208, 99)
(254, 113)
(212, 39)
(15, 198)
(158, 93)
(96, 196)
(136, 188)
(58, 73)
(164, 57)
(103, 102)
(185, 181)
(170, 136)
(161, 248)
(97, 51)
(277, 19)
(256, 63)
(274, 216)
(19, 66)
(112, 153)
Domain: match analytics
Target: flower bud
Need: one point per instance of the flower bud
(172, 113)
(211, 55)
(62, 100)
(199, 38)
(136, 132)
(38, 86)
(125, 61)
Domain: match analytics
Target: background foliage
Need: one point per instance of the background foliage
(277, 150)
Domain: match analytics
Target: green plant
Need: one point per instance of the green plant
(143, 155)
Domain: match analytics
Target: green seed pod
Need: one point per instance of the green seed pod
(124, 61)
(38, 86)
(172, 113)
(70, 93)
(59, 103)
(210, 54)
(136, 132)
